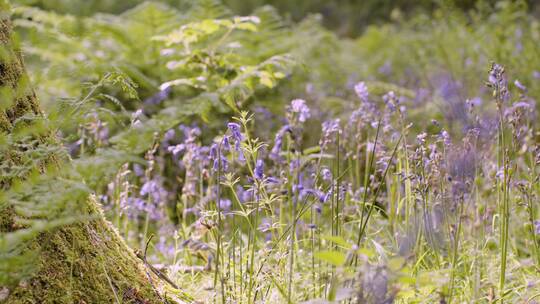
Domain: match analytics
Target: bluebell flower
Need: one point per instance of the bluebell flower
(299, 106)
(331, 126)
(520, 86)
(323, 197)
(175, 150)
(391, 100)
(294, 164)
(318, 194)
(272, 180)
(215, 158)
(225, 204)
(158, 97)
(362, 91)
(213, 151)
(326, 174)
(329, 129)
(235, 131)
(278, 142)
(445, 137)
(225, 143)
(259, 169)
(169, 135)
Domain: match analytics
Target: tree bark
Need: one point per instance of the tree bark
(85, 262)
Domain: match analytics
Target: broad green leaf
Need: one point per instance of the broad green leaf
(335, 258)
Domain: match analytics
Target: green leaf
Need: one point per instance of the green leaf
(338, 240)
(266, 79)
(209, 26)
(246, 26)
(335, 258)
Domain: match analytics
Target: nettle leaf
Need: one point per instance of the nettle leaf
(332, 257)
(337, 240)
(209, 26)
(266, 79)
(246, 26)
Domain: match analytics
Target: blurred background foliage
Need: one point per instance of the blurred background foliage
(431, 52)
(345, 17)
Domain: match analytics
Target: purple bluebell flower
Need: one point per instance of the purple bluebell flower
(329, 129)
(214, 151)
(158, 97)
(537, 227)
(474, 102)
(386, 68)
(323, 198)
(362, 91)
(148, 187)
(421, 138)
(278, 142)
(445, 137)
(235, 131)
(216, 157)
(133, 206)
(298, 188)
(138, 169)
(237, 137)
(259, 169)
(225, 204)
(169, 135)
(241, 193)
(520, 86)
(326, 174)
(241, 157)
(225, 143)
(294, 164)
(391, 101)
(265, 226)
(331, 126)
(175, 150)
(299, 106)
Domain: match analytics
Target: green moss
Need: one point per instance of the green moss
(79, 263)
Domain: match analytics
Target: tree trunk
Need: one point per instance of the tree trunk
(86, 262)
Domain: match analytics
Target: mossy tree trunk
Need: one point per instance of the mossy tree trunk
(85, 262)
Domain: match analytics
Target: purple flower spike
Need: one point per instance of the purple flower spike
(259, 169)
(225, 143)
(278, 142)
(299, 106)
(326, 174)
(362, 91)
(225, 204)
(176, 149)
(235, 130)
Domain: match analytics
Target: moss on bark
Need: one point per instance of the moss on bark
(87, 262)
